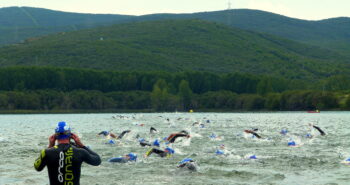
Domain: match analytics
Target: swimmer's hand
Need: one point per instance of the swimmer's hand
(77, 140)
(52, 141)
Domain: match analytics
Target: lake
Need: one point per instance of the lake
(317, 160)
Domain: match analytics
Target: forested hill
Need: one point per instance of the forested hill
(331, 33)
(176, 45)
(20, 23)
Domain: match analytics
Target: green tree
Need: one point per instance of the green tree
(185, 94)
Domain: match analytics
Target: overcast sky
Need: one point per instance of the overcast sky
(303, 9)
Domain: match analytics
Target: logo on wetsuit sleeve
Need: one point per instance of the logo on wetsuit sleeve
(65, 163)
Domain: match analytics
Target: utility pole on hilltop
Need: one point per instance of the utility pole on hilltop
(229, 13)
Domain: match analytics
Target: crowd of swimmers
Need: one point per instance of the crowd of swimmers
(188, 163)
(65, 149)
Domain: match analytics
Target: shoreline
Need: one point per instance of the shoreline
(2, 112)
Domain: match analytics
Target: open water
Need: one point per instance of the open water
(315, 161)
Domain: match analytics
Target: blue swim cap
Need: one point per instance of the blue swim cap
(62, 130)
(284, 131)
(201, 125)
(132, 156)
(213, 136)
(348, 159)
(308, 135)
(156, 143)
(291, 143)
(219, 152)
(253, 157)
(111, 141)
(185, 160)
(170, 150)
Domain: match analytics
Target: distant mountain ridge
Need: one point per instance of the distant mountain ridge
(177, 45)
(20, 23)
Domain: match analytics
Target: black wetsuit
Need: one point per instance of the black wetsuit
(321, 131)
(145, 143)
(64, 162)
(152, 130)
(105, 133)
(123, 133)
(252, 132)
(161, 153)
(190, 165)
(173, 137)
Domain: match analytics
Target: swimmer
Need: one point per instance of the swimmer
(156, 143)
(172, 137)
(195, 123)
(126, 158)
(153, 130)
(318, 128)
(220, 150)
(162, 153)
(143, 142)
(106, 133)
(214, 136)
(188, 163)
(253, 132)
(123, 133)
(284, 131)
(64, 160)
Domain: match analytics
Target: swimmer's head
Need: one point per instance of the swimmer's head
(169, 150)
(111, 141)
(222, 146)
(253, 157)
(284, 131)
(132, 156)
(186, 160)
(291, 143)
(62, 130)
(156, 143)
(219, 152)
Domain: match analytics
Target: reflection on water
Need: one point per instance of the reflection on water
(317, 160)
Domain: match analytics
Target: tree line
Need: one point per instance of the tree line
(161, 100)
(51, 89)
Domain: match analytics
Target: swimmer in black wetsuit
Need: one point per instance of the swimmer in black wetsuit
(64, 160)
(106, 133)
(123, 133)
(143, 142)
(172, 137)
(253, 132)
(162, 153)
(319, 129)
(188, 163)
(152, 130)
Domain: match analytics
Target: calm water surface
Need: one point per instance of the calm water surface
(316, 161)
